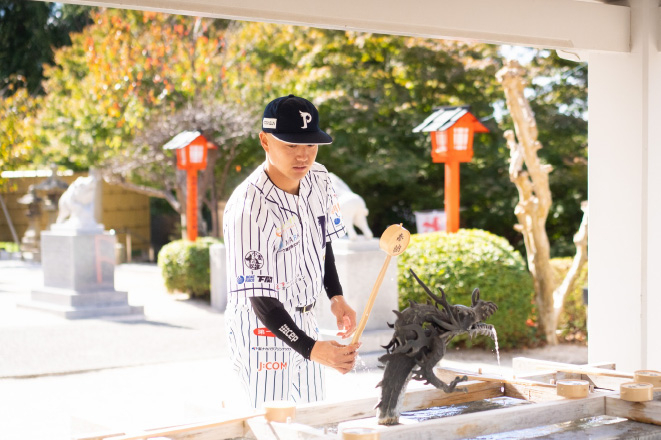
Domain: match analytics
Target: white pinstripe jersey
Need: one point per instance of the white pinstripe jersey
(275, 241)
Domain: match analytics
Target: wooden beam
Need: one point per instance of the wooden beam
(552, 375)
(532, 388)
(646, 412)
(518, 388)
(498, 420)
(448, 374)
(315, 414)
(526, 364)
(605, 382)
(523, 363)
(548, 376)
(263, 430)
(532, 393)
(230, 427)
(551, 370)
(554, 24)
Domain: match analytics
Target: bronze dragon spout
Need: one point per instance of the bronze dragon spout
(422, 332)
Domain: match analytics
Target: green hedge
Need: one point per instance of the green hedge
(463, 261)
(9, 246)
(185, 266)
(572, 323)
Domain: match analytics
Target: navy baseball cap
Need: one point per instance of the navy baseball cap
(294, 120)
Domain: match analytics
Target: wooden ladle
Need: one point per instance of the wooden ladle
(394, 241)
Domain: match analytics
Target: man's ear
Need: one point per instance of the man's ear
(264, 140)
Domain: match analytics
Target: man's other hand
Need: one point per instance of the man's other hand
(335, 355)
(345, 315)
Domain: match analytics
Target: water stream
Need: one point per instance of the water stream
(360, 365)
(495, 340)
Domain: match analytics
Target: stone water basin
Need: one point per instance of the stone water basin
(597, 427)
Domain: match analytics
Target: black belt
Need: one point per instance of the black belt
(305, 309)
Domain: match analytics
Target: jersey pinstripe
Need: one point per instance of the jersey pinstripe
(267, 368)
(276, 241)
(275, 246)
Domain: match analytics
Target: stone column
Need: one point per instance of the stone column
(218, 277)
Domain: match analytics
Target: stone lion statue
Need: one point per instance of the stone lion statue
(354, 210)
(76, 205)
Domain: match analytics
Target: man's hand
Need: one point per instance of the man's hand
(346, 316)
(335, 355)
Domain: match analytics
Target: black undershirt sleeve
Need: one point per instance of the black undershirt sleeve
(274, 316)
(331, 279)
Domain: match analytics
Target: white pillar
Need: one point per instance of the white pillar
(218, 272)
(624, 186)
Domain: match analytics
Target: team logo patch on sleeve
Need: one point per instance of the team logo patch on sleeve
(254, 260)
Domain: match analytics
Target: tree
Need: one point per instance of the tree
(29, 32)
(17, 137)
(130, 68)
(153, 171)
(371, 91)
(559, 102)
(118, 71)
(130, 82)
(534, 204)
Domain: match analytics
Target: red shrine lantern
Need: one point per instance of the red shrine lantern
(194, 155)
(191, 148)
(452, 130)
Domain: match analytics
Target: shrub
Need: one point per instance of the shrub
(572, 322)
(185, 265)
(9, 246)
(463, 261)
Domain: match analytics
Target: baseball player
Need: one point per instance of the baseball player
(278, 226)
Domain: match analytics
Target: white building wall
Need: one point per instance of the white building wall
(624, 190)
(652, 303)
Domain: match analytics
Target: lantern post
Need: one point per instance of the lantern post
(452, 130)
(191, 148)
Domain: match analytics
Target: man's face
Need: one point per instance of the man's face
(287, 164)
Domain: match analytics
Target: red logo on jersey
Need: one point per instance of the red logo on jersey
(263, 331)
(272, 366)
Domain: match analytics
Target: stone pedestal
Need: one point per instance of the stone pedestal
(79, 276)
(218, 277)
(358, 265)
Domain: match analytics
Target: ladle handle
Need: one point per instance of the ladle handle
(370, 301)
